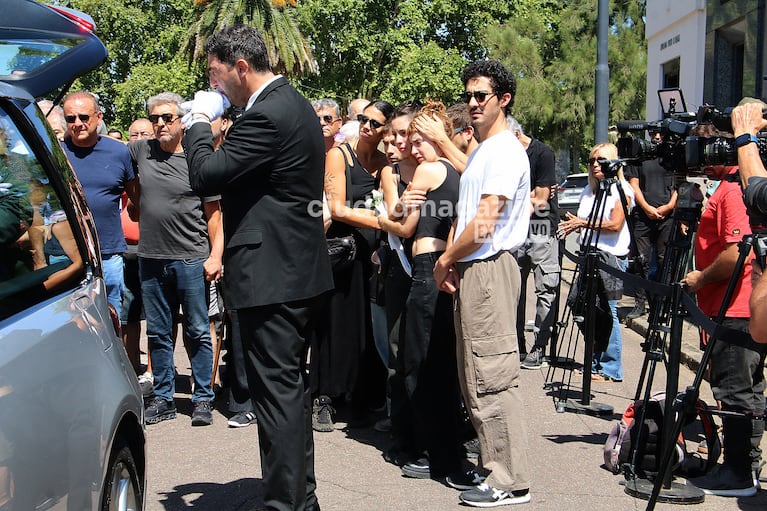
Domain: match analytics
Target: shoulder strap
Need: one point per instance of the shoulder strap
(346, 149)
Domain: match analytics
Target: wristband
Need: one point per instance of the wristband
(745, 139)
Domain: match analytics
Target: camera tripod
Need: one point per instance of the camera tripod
(680, 407)
(665, 322)
(587, 273)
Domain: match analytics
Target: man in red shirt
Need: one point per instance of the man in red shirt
(737, 362)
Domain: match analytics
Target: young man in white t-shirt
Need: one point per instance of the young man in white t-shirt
(479, 267)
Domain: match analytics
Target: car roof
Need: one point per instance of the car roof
(46, 47)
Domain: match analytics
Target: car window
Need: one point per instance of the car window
(39, 256)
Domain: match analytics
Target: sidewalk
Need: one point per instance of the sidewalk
(218, 468)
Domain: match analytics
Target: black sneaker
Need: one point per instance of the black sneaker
(158, 410)
(418, 469)
(534, 359)
(638, 311)
(485, 495)
(464, 480)
(723, 481)
(472, 448)
(202, 414)
(242, 420)
(322, 415)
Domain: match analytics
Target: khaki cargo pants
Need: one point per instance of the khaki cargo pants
(488, 366)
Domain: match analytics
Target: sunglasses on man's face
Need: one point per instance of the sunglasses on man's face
(72, 118)
(479, 95)
(166, 118)
(328, 119)
(364, 119)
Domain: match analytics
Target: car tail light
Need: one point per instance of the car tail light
(115, 320)
(84, 24)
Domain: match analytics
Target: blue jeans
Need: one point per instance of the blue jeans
(166, 284)
(610, 362)
(113, 278)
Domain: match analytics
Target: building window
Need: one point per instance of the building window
(670, 74)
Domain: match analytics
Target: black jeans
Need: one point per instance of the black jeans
(737, 381)
(397, 289)
(649, 234)
(428, 356)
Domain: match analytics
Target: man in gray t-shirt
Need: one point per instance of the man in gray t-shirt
(180, 249)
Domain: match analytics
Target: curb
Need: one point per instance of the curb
(690, 352)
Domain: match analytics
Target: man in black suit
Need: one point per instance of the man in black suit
(269, 173)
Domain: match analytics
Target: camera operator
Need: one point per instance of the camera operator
(737, 362)
(653, 184)
(747, 121)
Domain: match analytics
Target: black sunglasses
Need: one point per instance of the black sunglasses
(329, 119)
(592, 161)
(71, 118)
(480, 95)
(363, 119)
(167, 118)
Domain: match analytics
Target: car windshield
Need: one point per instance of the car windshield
(25, 56)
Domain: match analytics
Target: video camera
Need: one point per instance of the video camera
(682, 153)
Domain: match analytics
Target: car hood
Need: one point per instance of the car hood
(44, 47)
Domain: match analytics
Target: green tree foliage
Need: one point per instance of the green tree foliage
(143, 38)
(552, 48)
(288, 49)
(392, 49)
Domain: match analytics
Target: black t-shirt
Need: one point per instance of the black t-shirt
(543, 174)
(655, 181)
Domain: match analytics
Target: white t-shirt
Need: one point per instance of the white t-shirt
(499, 166)
(616, 243)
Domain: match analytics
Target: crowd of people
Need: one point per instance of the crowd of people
(446, 212)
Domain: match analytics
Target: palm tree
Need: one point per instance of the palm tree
(288, 49)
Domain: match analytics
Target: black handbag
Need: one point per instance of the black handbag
(341, 252)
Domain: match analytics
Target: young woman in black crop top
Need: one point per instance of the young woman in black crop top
(427, 347)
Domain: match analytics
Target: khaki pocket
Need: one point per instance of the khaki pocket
(496, 363)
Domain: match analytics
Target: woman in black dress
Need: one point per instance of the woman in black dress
(344, 348)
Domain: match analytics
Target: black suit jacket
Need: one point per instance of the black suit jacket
(269, 172)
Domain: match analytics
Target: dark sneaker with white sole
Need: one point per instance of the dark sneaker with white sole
(242, 420)
(465, 480)
(534, 360)
(322, 415)
(725, 482)
(202, 415)
(158, 410)
(418, 469)
(485, 495)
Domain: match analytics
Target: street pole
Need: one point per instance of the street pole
(602, 93)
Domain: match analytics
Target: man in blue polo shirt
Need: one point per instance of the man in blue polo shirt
(103, 166)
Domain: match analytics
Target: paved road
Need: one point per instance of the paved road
(217, 468)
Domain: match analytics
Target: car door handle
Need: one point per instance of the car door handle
(84, 302)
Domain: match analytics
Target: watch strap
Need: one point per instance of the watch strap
(745, 139)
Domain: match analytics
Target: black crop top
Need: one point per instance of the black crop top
(439, 210)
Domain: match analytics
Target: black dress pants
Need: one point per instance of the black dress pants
(276, 338)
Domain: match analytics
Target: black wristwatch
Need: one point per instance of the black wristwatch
(745, 139)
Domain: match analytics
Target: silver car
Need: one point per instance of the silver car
(71, 415)
(569, 193)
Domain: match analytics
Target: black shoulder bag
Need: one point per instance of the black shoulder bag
(343, 250)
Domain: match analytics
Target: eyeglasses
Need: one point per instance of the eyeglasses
(72, 118)
(167, 118)
(592, 161)
(328, 119)
(364, 119)
(479, 95)
(459, 130)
